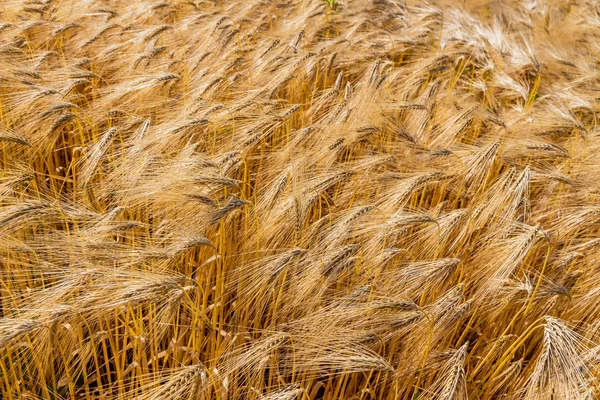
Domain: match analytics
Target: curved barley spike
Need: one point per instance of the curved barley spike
(15, 139)
(231, 206)
(94, 154)
(559, 368)
(451, 385)
(289, 392)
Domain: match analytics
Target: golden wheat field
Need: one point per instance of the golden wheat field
(299, 199)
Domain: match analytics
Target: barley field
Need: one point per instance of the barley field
(299, 199)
